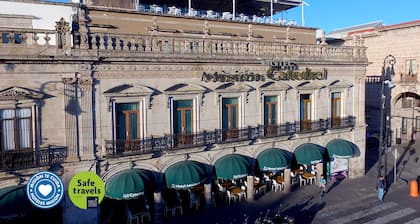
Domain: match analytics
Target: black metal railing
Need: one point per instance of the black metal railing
(342, 122)
(157, 145)
(30, 158)
(271, 131)
(312, 126)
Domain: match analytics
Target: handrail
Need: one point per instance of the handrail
(157, 145)
(30, 158)
(214, 46)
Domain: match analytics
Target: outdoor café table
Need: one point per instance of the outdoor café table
(297, 171)
(236, 190)
(307, 175)
(227, 185)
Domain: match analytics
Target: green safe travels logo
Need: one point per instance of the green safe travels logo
(86, 190)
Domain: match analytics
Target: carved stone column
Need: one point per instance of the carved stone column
(208, 196)
(87, 146)
(72, 111)
(250, 188)
(287, 180)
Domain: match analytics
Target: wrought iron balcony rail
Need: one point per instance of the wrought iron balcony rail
(341, 122)
(30, 158)
(312, 126)
(157, 145)
(211, 46)
(408, 78)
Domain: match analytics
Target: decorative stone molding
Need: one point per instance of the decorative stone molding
(18, 93)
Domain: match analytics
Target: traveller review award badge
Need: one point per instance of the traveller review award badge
(45, 189)
(86, 190)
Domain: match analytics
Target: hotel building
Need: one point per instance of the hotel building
(168, 92)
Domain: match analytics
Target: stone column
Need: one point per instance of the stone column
(72, 111)
(250, 188)
(157, 196)
(86, 122)
(208, 195)
(158, 199)
(319, 171)
(287, 180)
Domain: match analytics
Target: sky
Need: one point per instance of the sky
(334, 14)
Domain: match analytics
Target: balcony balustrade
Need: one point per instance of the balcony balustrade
(156, 145)
(30, 158)
(106, 42)
(27, 37)
(408, 78)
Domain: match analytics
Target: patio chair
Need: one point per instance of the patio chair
(275, 186)
(230, 196)
(194, 200)
(130, 216)
(221, 190)
(172, 206)
(302, 180)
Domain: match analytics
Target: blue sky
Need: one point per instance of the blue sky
(333, 14)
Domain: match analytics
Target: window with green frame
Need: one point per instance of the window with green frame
(230, 113)
(270, 110)
(183, 116)
(127, 121)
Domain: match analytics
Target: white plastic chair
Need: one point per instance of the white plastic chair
(230, 196)
(276, 186)
(302, 180)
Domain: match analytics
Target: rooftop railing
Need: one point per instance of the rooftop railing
(211, 14)
(107, 42)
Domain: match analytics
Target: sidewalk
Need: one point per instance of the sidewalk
(304, 203)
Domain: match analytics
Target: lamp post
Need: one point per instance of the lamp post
(385, 120)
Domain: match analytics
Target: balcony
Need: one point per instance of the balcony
(408, 78)
(342, 122)
(168, 143)
(106, 43)
(24, 159)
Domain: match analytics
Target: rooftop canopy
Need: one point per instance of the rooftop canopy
(249, 7)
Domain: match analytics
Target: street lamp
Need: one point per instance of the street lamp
(384, 132)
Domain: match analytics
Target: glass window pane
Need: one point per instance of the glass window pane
(24, 132)
(188, 120)
(133, 125)
(234, 117)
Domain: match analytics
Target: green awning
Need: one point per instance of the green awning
(309, 153)
(232, 166)
(339, 148)
(272, 160)
(185, 174)
(128, 184)
(14, 203)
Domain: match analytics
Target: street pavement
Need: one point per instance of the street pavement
(347, 201)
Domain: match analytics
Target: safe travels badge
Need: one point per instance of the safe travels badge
(86, 190)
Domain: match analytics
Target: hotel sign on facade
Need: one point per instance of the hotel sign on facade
(278, 71)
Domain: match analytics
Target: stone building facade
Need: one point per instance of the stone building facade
(121, 90)
(400, 41)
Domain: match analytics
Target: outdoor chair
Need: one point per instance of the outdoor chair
(294, 178)
(230, 196)
(139, 208)
(302, 180)
(172, 206)
(275, 186)
(130, 216)
(221, 190)
(194, 200)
